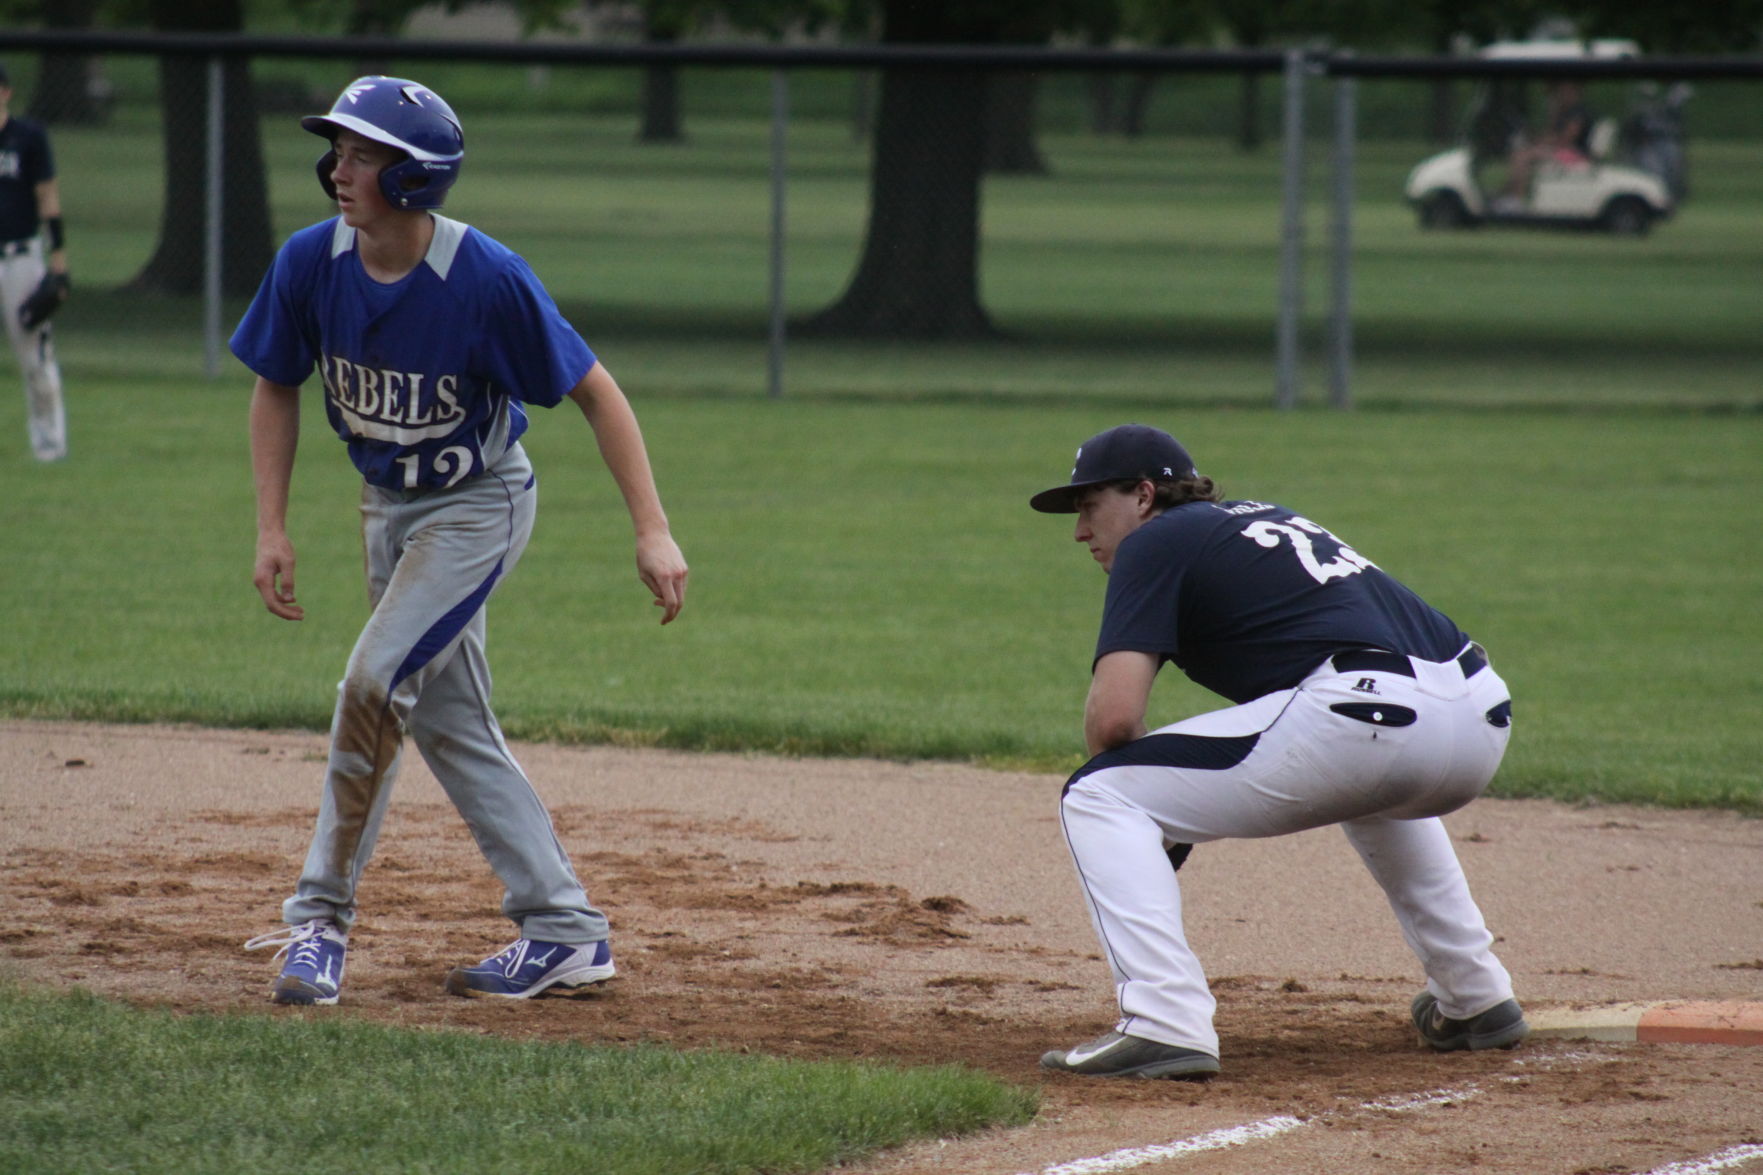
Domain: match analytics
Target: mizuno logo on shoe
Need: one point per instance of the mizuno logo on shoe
(516, 959)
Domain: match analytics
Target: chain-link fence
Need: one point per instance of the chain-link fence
(1121, 228)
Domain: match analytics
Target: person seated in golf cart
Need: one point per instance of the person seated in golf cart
(1565, 141)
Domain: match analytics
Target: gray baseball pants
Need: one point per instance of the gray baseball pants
(433, 559)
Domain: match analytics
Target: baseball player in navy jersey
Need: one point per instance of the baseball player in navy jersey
(429, 339)
(1355, 703)
(33, 278)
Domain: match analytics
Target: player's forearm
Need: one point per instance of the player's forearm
(1120, 691)
(620, 441)
(1102, 734)
(275, 433)
(49, 212)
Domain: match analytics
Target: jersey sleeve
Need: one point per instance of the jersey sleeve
(535, 355)
(272, 338)
(1144, 597)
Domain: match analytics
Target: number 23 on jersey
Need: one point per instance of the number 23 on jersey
(1299, 532)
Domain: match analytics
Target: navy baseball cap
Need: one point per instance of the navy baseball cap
(1126, 452)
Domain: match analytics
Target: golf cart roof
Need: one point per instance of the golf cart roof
(1607, 48)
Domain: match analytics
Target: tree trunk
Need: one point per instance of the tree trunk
(1100, 89)
(661, 110)
(1442, 117)
(862, 104)
(1011, 98)
(176, 266)
(1138, 103)
(919, 273)
(1441, 120)
(245, 240)
(1249, 113)
(918, 276)
(67, 92)
(372, 18)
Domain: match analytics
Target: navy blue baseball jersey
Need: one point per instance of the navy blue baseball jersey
(25, 162)
(424, 377)
(1247, 598)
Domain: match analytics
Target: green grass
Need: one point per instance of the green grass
(88, 1085)
(1142, 271)
(1559, 444)
(867, 578)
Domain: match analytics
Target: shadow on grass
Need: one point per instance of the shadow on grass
(118, 334)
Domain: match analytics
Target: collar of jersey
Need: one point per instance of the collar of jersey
(449, 235)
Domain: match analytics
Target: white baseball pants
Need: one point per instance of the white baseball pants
(1379, 753)
(20, 273)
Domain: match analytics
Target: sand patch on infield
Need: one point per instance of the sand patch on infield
(922, 913)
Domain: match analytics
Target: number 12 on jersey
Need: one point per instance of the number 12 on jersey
(452, 463)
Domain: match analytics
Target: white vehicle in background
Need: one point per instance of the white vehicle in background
(1632, 176)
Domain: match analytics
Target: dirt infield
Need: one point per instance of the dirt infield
(928, 913)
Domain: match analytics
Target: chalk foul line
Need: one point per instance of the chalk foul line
(1732, 1156)
(1127, 1158)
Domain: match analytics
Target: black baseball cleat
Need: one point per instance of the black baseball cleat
(1114, 1054)
(1500, 1027)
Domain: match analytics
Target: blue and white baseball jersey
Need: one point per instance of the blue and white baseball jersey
(424, 377)
(1247, 598)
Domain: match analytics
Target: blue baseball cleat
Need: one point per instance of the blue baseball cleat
(526, 967)
(313, 973)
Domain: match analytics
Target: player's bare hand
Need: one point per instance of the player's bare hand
(662, 569)
(274, 576)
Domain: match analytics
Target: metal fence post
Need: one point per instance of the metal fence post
(211, 258)
(780, 122)
(1340, 390)
(1291, 248)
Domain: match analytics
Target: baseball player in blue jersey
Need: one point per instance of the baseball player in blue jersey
(430, 339)
(1355, 704)
(33, 275)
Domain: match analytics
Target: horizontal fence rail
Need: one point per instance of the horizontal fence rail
(1298, 73)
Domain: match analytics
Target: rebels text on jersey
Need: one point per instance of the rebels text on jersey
(424, 377)
(1247, 598)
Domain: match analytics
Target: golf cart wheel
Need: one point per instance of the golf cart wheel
(1443, 210)
(1627, 217)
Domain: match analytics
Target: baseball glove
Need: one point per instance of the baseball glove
(45, 300)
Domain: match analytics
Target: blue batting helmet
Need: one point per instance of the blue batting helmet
(403, 114)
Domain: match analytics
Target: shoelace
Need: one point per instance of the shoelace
(512, 957)
(305, 937)
(306, 954)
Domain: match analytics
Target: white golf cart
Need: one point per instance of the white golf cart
(1630, 176)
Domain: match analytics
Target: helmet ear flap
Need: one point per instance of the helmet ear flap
(327, 163)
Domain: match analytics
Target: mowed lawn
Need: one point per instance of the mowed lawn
(1557, 443)
(868, 579)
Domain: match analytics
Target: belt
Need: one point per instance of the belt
(1472, 661)
(16, 248)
